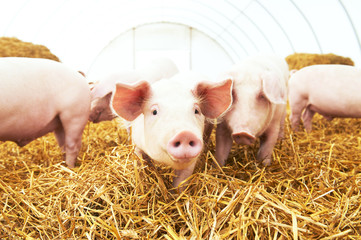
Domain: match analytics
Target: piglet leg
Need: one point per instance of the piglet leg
(307, 119)
(73, 128)
(208, 127)
(183, 174)
(297, 106)
(281, 133)
(267, 142)
(224, 143)
(60, 137)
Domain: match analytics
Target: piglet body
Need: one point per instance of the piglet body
(102, 92)
(38, 96)
(258, 109)
(330, 90)
(168, 117)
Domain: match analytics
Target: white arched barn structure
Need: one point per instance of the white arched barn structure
(98, 37)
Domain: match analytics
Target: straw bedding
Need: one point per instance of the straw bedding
(301, 60)
(311, 191)
(14, 47)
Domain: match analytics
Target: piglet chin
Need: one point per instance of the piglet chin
(183, 163)
(244, 138)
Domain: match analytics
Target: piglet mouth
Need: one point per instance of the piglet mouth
(244, 138)
(95, 120)
(182, 160)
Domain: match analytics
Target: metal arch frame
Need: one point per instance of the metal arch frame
(223, 41)
(241, 12)
(170, 19)
(165, 20)
(199, 26)
(231, 21)
(351, 23)
(309, 25)
(278, 24)
(209, 30)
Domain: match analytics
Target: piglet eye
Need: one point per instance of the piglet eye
(196, 109)
(261, 96)
(154, 109)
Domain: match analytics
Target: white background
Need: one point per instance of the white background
(101, 36)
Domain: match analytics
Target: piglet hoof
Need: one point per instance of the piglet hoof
(295, 127)
(267, 162)
(178, 189)
(70, 164)
(220, 162)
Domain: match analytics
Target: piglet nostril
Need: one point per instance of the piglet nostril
(191, 143)
(177, 144)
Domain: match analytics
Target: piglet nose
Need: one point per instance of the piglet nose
(244, 138)
(184, 146)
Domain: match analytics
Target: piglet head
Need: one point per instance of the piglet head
(210, 100)
(173, 115)
(101, 95)
(100, 109)
(255, 97)
(102, 92)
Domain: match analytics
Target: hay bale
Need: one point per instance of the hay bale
(13, 47)
(301, 60)
(311, 191)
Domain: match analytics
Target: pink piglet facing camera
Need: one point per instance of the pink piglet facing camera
(168, 117)
(258, 109)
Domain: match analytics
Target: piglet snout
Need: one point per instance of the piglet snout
(184, 146)
(243, 138)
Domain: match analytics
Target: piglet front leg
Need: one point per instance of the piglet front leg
(181, 175)
(267, 142)
(224, 143)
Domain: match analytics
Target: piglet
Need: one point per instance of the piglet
(103, 90)
(258, 109)
(38, 96)
(330, 90)
(168, 117)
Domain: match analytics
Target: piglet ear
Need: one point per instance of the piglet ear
(107, 98)
(273, 88)
(216, 98)
(128, 100)
(99, 90)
